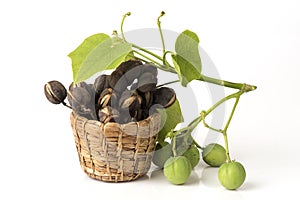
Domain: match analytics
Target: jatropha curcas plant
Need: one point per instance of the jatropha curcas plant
(177, 152)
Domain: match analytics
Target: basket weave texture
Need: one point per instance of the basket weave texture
(115, 152)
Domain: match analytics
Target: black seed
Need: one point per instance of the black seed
(133, 74)
(147, 82)
(147, 99)
(150, 68)
(118, 81)
(164, 96)
(125, 101)
(135, 107)
(80, 96)
(55, 92)
(142, 114)
(101, 83)
(108, 98)
(128, 65)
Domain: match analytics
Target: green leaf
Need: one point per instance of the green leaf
(80, 53)
(183, 141)
(187, 60)
(97, 53)
(170, 117)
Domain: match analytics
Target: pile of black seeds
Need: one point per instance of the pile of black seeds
(130, 93)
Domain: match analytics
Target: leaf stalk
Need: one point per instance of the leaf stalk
(122, 23)
(160, 31)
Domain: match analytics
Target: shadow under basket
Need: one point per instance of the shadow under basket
(115, 152)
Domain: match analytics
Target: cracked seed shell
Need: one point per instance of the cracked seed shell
(55, 92)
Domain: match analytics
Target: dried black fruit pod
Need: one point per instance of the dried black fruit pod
(147, 99)
(128, 65)
(133, 74)
(104, 98)
(55, 92)
(142, 114)
(147, 82)
(88, 89)
(82, 99)
(108, 114)
(79, 95)
(128, 98)
(118, 81)
(135, 107)
(86, 112)
(81, 84)
(124, 96)
(150, 68)
(100, 83)
(164, 96)
(108, 98)
(130, 102)
(126, 103)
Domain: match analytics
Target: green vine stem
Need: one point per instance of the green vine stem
(167, 83)
(160, 31)
(165, 57)
(162, 64)
(227, 125)
(240, 86)
(232, 112)
(169, 68)
(164, 60)
(123, 19)
(197, 145)
(158, 65)
(204, 114)
(147, 51)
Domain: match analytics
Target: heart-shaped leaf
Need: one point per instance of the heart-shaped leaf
(97, 53)
(187, 60)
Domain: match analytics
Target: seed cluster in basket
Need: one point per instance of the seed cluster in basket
(130, 93)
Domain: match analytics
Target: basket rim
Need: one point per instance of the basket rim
(75, 115)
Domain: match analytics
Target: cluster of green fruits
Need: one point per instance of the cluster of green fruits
(177, 169)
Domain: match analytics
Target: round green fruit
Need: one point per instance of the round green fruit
(177, 170)
(232, 175)
(214, 155)
(192, 155)
(162, 154)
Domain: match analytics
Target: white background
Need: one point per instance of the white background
(257, 42)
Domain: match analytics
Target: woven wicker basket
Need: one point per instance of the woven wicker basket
(115, 152)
